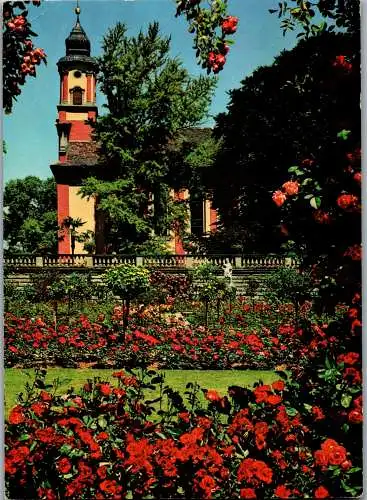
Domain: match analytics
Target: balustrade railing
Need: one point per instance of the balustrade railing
(78, 260)
(218, 260)
(165, 261)
(112, 260)
(20, 260)
(169, 261)
(263, 261)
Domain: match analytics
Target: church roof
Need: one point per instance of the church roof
(87, 153)
(192, 135)
(82, 153)
(196, 135)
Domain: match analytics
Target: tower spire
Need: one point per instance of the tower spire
(77, 11)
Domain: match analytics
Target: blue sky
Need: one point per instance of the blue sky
(30, 131)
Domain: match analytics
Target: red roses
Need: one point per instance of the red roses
(348, 202)
(16, 416)
(63, 465)
(216, 61)
(331, 453)
(321, 217)
(18, 24)
(322, 492)
(254, 472)
(350, 358)
(291, 187)
(212, 395)
(342, 62)
(279, 198)
(229, 25)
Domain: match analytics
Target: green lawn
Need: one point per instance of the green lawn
(177, 379)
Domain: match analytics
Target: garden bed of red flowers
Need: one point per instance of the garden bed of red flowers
(254, 339)
(112, 442)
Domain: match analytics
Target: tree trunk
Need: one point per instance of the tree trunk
(206, 312)
(55, 314)
(296, 308)
(125, 318)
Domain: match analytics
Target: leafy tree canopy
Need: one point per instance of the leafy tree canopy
(151, 98)
(30, 221)
(280, 116)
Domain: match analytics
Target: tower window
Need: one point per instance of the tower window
(77, 74)
(77, 93)
(197, 215)
(63, 141)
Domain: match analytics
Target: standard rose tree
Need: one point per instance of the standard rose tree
(128, 282)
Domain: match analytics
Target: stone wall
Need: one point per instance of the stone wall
(19, 269)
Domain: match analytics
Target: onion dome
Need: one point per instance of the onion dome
(77, 43)
(77, 48)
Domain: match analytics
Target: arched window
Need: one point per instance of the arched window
(77, 93)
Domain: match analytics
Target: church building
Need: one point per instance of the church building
(78, 152)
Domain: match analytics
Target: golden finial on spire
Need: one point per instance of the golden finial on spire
(77, 10)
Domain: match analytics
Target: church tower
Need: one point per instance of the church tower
(77, 155)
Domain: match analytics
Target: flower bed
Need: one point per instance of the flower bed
(109, 442)
(239, 340)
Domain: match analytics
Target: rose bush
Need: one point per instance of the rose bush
(211, 26)
(20, 57)
(111, 441)
(170, 286)
(327, 202)
(248, 336)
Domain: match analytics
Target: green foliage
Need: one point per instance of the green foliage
(30, 222)
(335, 14)
(70, 226)
(57, 290)
(17, 294)
(52, 287)
(192, 153)
(206, 23)
(209, 287)
(127, 281)
(154, 246)
(150, 98)
(289, 285)
(313, 98)
(79, 287)
(253, 286)
(42, 281)
(206, 271)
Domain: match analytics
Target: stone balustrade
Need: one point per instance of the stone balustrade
(166, 262)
